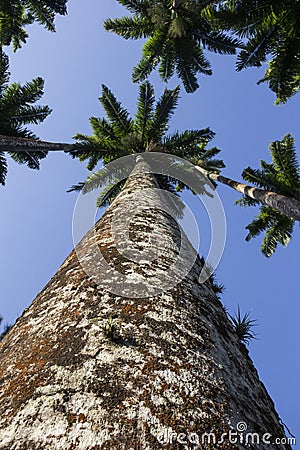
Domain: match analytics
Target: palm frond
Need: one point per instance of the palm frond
(277, 227)
(145, 107)
(285, 161)
(7, 327)
(167, 61)
(190, 60)
(218, 42)
(129, 27)
(279, 233)
(186, 144)
(3, 168)
(76, 187)
(43, 14)
(17, 109)
(31, 114)
(31, 159)
(136, 6)
(152, 52)
(118, 116)
(4, 72)
(247, 201)
(283, 72)
(16, 15)
(243, 326)
(163, 112)
(255, 51)
(102, 177)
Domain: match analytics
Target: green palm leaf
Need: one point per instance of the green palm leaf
(286, 162)
(177, 33)
(283, 72)
(186, 144)
(271, 29)
(167, 61)
(31, 159)
(283, 177)
(190, 60)
(3, 168)
(152, 52)
(17, 109)
(136, 6)
(16, 15)
(118, 116)
(278, 229)
(146, 132)
(129, 27)
(164, 110)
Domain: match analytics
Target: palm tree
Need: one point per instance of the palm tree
(17, 109)
(6, 329)
(17, 14)
(278, 193)
(92, 364)
(270, 30)
(177, 32)
(121, 135)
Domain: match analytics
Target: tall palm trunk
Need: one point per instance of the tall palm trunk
(17, 144)
(286, 205)
(173, 371)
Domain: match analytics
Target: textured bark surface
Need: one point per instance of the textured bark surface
(16, 144)
(286, 205)
(174, 365)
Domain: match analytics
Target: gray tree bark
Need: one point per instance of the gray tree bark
(172, 372)
(16, 144)
(286, 205)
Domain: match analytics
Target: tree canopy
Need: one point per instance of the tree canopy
(18, 109)
(282, 175)
(177, 34)
(121, 135)
(15, 15)
(270, 32)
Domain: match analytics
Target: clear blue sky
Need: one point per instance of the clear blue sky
(36, 224)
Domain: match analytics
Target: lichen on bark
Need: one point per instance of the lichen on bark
(176, 367)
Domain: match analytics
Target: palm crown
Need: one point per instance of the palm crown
(270, 29)
(120, 135)
(283, 177)
(177, 33)
(17, 14)
(17, 109)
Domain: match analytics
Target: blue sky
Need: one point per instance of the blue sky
(36, 224)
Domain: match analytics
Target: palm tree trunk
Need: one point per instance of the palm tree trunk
(16, 144)
(176, 4)
(286, 205)
(170, 372)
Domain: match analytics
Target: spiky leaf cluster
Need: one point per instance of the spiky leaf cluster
(177, 34)
(282, 176)
(243, 326)
(120, 135)
(15, 15)
(270, 29)
(18, 109)
(5, 330)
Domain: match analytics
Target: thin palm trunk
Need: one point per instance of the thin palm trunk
(172, 371)
(17, 144)
(286, 205)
